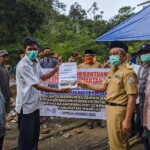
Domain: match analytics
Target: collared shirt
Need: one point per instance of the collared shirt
(93, 65)
(121, 81)
(48, 62)
(142, 77)
(146, 109)
(28, 73)
(4, 82)
(136, 67)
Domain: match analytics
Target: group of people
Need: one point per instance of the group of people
(127, 87)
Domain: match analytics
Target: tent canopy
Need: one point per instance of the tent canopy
(135, 28)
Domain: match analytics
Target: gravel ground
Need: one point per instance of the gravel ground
(73, 139)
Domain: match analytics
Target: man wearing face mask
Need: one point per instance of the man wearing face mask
(121, 88)
(28, 79)
(88, 60)
(144, 71)
(90, 63)
(136, 124)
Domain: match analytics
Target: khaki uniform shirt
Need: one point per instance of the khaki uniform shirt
(93, 65)
(121, 81)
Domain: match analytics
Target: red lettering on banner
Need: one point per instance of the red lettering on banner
(54, 80)
(88, 74)
(101, 74)
(90, 77)
(79, 73)
(91, 73)
(84, 74)
(90, 80)
(105, 73)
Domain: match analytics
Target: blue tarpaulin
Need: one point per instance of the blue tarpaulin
(135, 28)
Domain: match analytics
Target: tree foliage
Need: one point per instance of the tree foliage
(46, 20)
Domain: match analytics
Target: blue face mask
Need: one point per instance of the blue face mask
(32, 54)
(145, 58)
(114, 60)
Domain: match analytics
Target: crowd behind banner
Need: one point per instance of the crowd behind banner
(117, 91)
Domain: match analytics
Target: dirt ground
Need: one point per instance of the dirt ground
(76, 142)
(64, 134)
(70, 140)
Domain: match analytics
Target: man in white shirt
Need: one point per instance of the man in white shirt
(28, 78)
(136, 124)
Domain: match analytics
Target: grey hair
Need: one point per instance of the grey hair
(122, 51)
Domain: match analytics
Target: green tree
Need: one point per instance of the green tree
(123, 14)
(76, 13)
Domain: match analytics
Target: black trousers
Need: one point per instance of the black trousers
(29, 127)
(136, 124)
(1, 142)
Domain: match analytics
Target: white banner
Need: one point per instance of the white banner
(78, 103)
(68, 75)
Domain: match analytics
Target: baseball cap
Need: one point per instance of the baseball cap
(144, 47)
(3, 52)
(119, 44)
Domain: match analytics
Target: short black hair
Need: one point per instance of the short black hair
(46, 48)
(29, 41)
(88, 51)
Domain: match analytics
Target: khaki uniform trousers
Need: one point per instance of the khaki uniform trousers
(115, 116)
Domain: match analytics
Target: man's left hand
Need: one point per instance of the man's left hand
(126, 126)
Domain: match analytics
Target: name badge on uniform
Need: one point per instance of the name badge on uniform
(131, 80)
(117, 76)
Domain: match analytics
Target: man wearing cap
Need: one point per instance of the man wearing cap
(5, 92)
(136, 124)
(4, 78)
(121, 88)
(88, 60)
(144, 71)
(90, 63)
